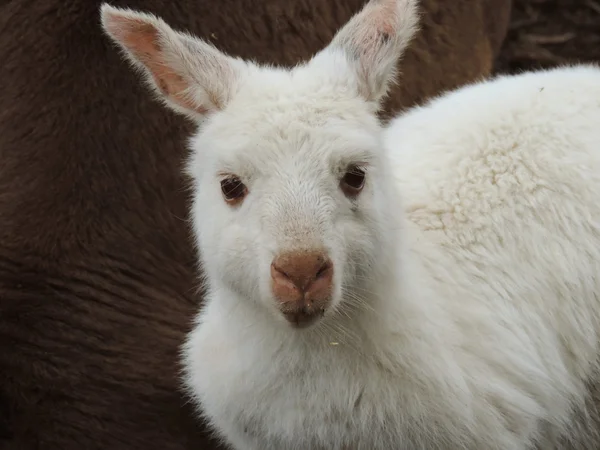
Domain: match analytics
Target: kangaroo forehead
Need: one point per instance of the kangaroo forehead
(285, 112)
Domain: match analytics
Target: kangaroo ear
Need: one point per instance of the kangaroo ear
(371, 44)
(190, 75)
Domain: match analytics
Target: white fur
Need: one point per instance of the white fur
(464, 316)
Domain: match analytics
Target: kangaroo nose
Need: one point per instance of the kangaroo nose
(301, 269)
(302, 284)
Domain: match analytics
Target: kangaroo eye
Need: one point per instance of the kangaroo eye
(353, 181)
(233, 190)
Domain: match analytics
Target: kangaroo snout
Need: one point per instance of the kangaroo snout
(302, 283)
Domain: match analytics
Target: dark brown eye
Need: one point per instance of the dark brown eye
(353, 181)
(233, 190)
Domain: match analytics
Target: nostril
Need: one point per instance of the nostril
(324, 269)
(277, 272)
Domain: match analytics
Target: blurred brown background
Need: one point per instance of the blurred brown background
(545, 33)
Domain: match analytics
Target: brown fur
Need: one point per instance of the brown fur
(97, 274)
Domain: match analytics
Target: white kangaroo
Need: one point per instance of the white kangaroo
(433, 284)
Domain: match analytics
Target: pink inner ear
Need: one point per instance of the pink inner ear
(384, 19)
(375, 28)
(142, 39)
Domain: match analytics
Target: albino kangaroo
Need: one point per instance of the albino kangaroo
(432, 285)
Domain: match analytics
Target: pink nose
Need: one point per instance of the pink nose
(301, 282)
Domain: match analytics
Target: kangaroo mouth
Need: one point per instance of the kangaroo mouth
(304, 316)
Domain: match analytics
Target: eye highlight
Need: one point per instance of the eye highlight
(233, 189)
(353, 180)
